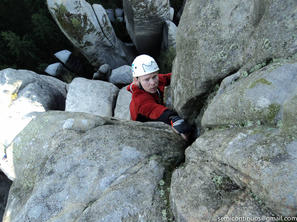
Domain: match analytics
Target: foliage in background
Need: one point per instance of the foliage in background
(28, 35)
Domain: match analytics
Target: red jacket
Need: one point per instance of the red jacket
(146, 106)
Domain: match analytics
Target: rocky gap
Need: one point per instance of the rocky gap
(5, 185)
(225, 184)
(90, 203)
(205, 99)
(165, 189)
(260, 65)
(102, 28)
(259, 203)
(269, 61)
(235, 70)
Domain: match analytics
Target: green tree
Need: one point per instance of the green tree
(28, 35)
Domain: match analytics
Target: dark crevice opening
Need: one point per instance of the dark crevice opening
(5, 185)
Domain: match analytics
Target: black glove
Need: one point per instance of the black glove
(180, 125)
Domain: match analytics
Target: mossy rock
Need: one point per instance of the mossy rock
(257, 99)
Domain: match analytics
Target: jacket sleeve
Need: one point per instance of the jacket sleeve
(165, 116)
(149, 108)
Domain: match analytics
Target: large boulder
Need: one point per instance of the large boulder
(217, 38)
(144, 23)
(260, 160)
(256, 99)
(82, 167)
(121, 75)
(243, 163)
(91, 96)
(89, 29)
(24, 94)
(201, 193)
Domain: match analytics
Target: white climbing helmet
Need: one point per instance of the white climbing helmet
(143, 65)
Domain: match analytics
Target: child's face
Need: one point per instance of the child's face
(149, 82)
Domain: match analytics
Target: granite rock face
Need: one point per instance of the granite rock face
(91, 96)
(82, 167)
(216, 39)
(24, 94)
(259, 159)
(234, 74)
(122, 108)
(255, 99)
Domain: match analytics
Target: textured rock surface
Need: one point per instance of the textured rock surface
(122, 109)
(89, 29)
(289, 123)
(197, 194)
(256, 155)
(23, 94)
(121, 75)
(91, 96)
(81, 167)
(258, 159)
(216, 38)
(144, 22)
(258, 98)
(70, 166)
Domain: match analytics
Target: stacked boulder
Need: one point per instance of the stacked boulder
(217, 39)
(83, 167)
(105, 95)
(119, 76)
(23, 95)
(116, 169)
(91, 96)
(86, 165)
(243, 164)
(247, 153)
(90, 30)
